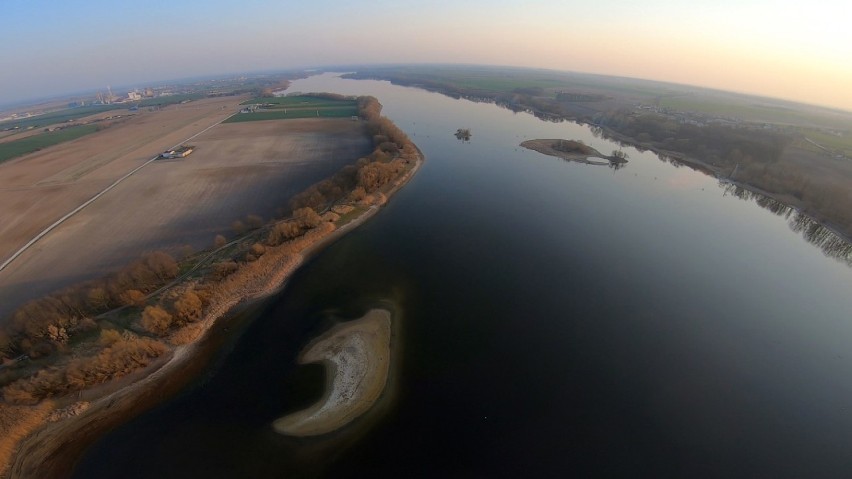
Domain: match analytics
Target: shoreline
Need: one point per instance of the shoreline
(52, 449)
(356, 355)
(612, 135)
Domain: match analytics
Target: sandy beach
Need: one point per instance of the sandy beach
(356, 355)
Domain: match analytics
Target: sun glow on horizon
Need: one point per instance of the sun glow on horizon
(780, 49)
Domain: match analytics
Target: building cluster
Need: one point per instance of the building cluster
(181, 152)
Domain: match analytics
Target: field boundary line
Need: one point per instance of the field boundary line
(91, 200)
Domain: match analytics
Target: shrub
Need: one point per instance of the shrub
(239, 227)
(156, 320)
(307, 218)
(187, 308)
(254, 221)
(283, 232)
(132, 297)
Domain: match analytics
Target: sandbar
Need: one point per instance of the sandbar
(356, 355)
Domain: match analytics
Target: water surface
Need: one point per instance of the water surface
(557, 319)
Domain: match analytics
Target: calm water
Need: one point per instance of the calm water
(556, 319)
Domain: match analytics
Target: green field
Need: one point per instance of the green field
(14, 149)
(68, 114)
(501, 83)
(754, 111)
(291, 107)
(486, 80)
(298, 101)
(166, 100)
(293, 113)
(842, 144)
(60, 116)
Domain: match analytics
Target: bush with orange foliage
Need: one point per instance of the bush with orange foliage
(16, 422)
(119, 359)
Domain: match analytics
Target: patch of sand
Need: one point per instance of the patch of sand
(356, 355)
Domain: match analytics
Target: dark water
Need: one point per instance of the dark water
(556, 319)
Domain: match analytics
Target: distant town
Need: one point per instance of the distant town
(22, 118)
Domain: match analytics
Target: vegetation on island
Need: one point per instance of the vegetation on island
(575, 150)
(15, 148)
(463, 134)
(798, 154)
(98, 331)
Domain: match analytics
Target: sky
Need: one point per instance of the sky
(786, 49)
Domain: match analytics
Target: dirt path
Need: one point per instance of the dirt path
(93, 199)
(237, 169)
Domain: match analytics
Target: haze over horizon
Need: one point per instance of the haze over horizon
(780, 49)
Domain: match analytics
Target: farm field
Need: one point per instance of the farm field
(305, 101)
(236, 170)
(70, 114)
(23, 146)
(295, 113)
(294, 107)
(38, 189)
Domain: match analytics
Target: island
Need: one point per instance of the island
(357, 357)
(796, 154)
(574, 150)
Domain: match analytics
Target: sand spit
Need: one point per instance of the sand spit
(356, 355)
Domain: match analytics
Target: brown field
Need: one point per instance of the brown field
(236, 170)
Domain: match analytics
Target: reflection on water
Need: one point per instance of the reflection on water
(561, 320)
(831, 244)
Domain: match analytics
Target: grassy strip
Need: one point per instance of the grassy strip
(14, 149)
(341, 112)
(300, 100)
(167, 100)
(69, 114)
(60, 116)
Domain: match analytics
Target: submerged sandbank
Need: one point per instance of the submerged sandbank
(356, 355)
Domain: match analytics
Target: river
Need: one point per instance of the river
(555, 319)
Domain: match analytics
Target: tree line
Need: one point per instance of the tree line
(723, 147)
(47, 324)
(53, 323)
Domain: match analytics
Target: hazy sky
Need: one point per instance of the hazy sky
(797, 50)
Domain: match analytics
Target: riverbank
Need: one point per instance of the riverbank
(818, 196)
(356, 355)
(52, 448)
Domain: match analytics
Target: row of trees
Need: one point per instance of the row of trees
(175, 309)
(353, 182)
(44, 325)
(48, 324)
(120, 356)
(756, 151)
